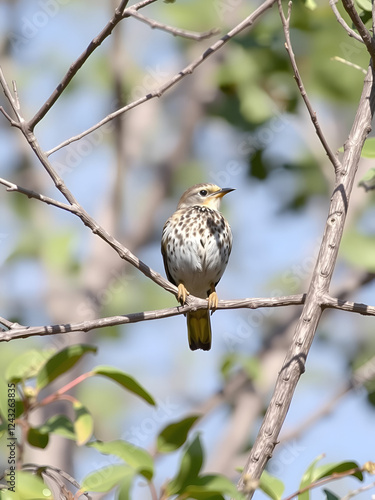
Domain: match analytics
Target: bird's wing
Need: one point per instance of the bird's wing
(166, 230)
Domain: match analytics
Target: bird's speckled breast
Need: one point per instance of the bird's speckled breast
(196, 244)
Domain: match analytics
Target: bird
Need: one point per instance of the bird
(196, 243)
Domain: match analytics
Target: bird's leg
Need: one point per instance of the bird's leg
(182, 293)
(213, 299)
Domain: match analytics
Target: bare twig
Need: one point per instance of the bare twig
(341, 21)
(348, 63)
(294, 364)
(246, 23)
(76, 66)
(32, 194)
(333, 477)
(362, 489)
(288, 45)
(192, 35)
(362, 30)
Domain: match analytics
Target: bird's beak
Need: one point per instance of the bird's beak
(222, 192)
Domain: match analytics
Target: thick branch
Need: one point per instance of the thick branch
(294, 364)
(362, 30)
(188, 70)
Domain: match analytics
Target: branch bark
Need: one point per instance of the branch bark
(294, 364)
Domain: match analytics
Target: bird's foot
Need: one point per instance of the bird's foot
(213, 301)
(182, 293)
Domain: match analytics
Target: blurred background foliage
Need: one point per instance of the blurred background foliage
(238, 121)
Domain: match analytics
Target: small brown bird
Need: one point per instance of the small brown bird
(196, 244)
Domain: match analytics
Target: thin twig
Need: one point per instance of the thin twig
(188, 70)
(362, 30)
(288, 45)
(11, 187)
(365, 487)
(192, 35)
(333, 477)
(14, 102)
(341, 21)
(76, 66)
(348, 63)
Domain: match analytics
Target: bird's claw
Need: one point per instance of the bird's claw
(213, 301)
(182, 293)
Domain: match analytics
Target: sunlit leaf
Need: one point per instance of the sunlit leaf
(61, 362)
(83, 423)
(123, 492)
(26, 365)
(137, 458)
(174, 435)
(107, 478)
(336, 468)
(271, 486)
(308, 478)
(31, 487)
(125, 380)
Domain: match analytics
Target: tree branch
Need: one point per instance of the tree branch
(294, 363)
(362, 30)
(11, 187)
(192, 35)
(193, 303)
(341, 21)
(188, 70)
(288, 45)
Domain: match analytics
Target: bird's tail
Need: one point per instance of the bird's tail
(199, 329)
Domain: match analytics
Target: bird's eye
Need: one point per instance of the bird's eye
(203, 192)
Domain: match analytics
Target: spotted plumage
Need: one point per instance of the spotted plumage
(196, 244)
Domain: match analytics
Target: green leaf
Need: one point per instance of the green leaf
(336, 468)
(359, 250)
(271, 486)
(310, 4)
(330, 495)
(103, 480)
(308, 478)
(137, 458)
(83, 423)
(37, 438)
(61, 362)
(368, 150)
(124, 489)
(31, 487)
(368, 180)
(60, 425)
(174, 435)
(190, 466)
(125, 380)
(365, 5)
(212, 486)
(26, 365)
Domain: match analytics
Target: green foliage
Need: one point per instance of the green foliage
(271, 486)
(174, 435)
(136, 458)
(368, 180)
(359, 249)
(107, 478)
(29, 487)
(27, 365)
(61, 362)
(314, 473)
(125, 381)
(83, 423)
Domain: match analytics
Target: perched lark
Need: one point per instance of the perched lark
(196, 244)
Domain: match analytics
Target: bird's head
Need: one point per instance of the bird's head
(206, 195)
